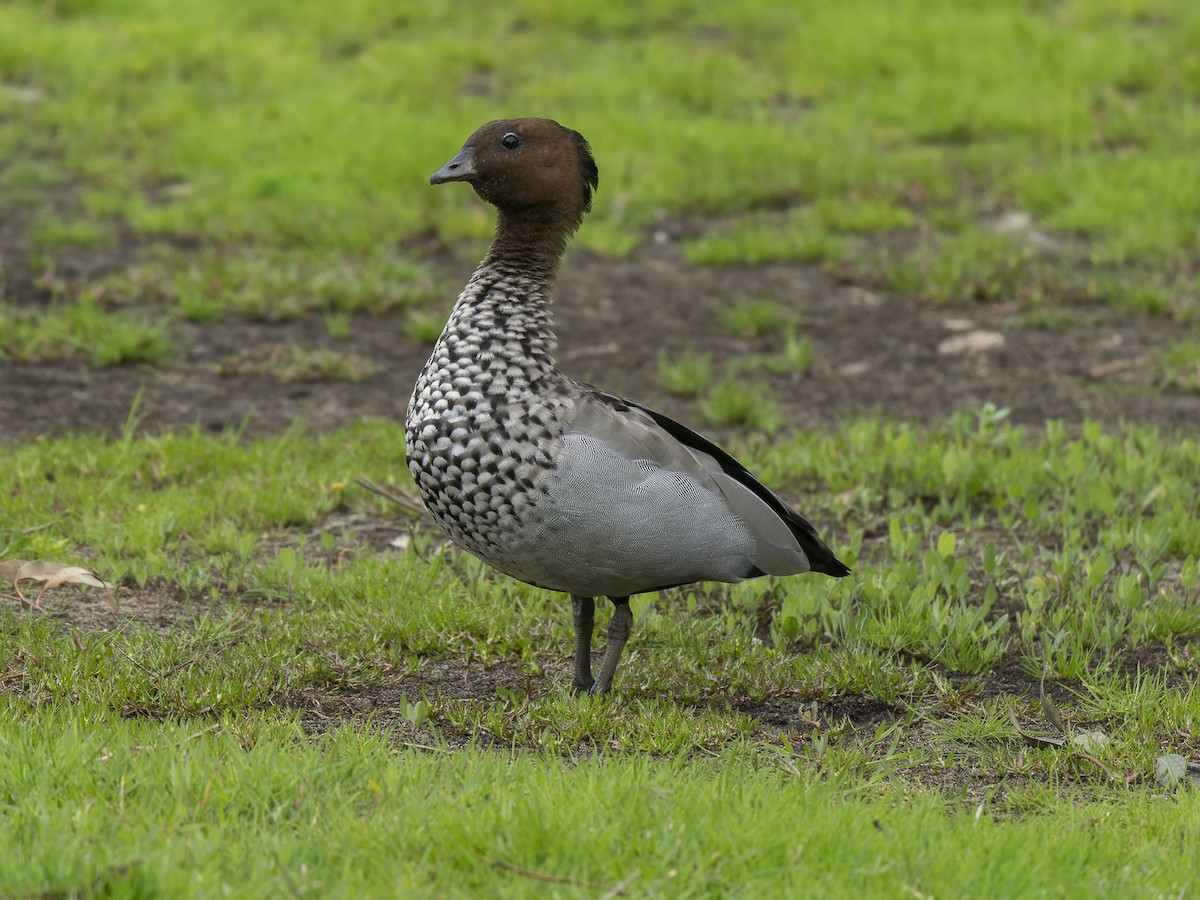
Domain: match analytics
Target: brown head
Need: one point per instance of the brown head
(538, 174)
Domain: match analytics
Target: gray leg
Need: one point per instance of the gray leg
(619, 628)
(583, 609)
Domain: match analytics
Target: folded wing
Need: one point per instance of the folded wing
(783, 541)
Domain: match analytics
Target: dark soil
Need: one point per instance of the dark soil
(873, 352)
(159, 606)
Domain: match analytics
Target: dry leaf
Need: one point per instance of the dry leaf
(1090, 741)
(1171, 770)
(1050, 711)
(846, 497)
(52, 575)
(1035, 740)
(1115, 367)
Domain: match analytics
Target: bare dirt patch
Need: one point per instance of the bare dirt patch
(158, 605)
(434, 680)
(873, 352)
(800, 720)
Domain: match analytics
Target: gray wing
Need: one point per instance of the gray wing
(820, 557)
(632, 507)
(636, 433)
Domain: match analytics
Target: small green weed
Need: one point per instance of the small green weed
(1181, 365)
(978, 265)
(82, 328)
(759, 240)
(292, 362)
(689, 375)
(753, 317)
(796, 357)
(733, 402)
(337, 323)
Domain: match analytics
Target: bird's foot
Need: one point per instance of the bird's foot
(599, 690)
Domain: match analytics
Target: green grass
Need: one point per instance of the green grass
(733, 402)
(81, 328)
(814, 129)
(977, 549)
(755, 316)
(689, 375)
(973, 534)
(247, 805)
(1181, 365)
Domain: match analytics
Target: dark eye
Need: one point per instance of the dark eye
(510, 141)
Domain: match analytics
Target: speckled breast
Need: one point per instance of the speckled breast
(482, 463)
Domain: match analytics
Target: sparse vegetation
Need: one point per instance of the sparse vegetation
(734, 402)
(979, 266)
(424, 327)
(689, 375)
(796, 356)
(270, 284)
(293, 362)
(755, 316)
(52, 232)
(1181, 365)
(1051, 318)
(83, 328)
(862, 215)
(767, 239)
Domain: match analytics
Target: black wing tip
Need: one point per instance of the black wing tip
(820, 557)
(832, 566)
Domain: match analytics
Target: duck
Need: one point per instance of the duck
(552, 481)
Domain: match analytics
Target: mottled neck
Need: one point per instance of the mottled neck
(502, 322)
